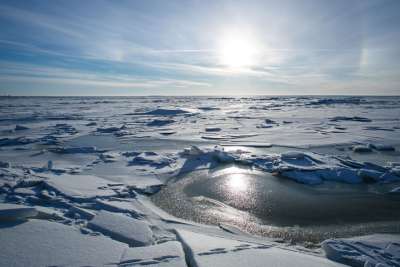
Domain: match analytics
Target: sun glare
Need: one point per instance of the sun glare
(237, 51)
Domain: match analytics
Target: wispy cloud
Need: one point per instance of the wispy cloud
(136, 44)
(32, 73)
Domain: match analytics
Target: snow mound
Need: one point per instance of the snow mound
(372, 250)
(44, 243)
(162, 255)
(122, 228)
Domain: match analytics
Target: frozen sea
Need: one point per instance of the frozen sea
(280, 178)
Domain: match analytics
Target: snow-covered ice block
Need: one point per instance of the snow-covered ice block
(292, 155)
(382, 147)
(109, 129)
(213, 129)
(165, 112)
(340, 174)
(4, 164)
(305, 177)
(355, 118)
(361, 149)
(22, 140)
(75, 150)
(44, 243)
(372, 250)
(162, 255)
(131, 206)
(20, 127)
(79, 187)
(81, 212)
(12, 212)
(156, 161)
(122, 228)
(211, 251)
(369, 175)
(158, 122)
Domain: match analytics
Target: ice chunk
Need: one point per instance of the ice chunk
(206, 250)
(340, 174)
(213, 129)
(223, 157)
(74, 150)
(83, 213)
(112, 129)
(156, 160)
(20, 127)
(122, 228)
(355, 118)
(265, 126)
(369, 175)
(16, 141)
(388, 177)
(165, 112)
(382, 147)
(162, 255)
(158, 122)
(395, 190)
(39, 243)
(292, 155)
(130, 206)
(192, 151)
(4, 164)
(373, 250)
(12, 212)
(361, 149)
(305, 177)
(79, 187)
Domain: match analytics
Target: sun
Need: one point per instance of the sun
(237, 51)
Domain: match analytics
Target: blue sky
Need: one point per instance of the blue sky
(199, 47)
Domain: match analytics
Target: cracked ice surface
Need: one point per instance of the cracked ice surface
(76, 174)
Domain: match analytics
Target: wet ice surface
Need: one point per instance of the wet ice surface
(306, 169)
(264, 204)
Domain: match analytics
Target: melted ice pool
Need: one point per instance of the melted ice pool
(261, 203)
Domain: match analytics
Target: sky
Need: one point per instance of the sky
(197, 47)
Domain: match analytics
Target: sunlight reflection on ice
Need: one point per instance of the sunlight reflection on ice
(237, 182)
